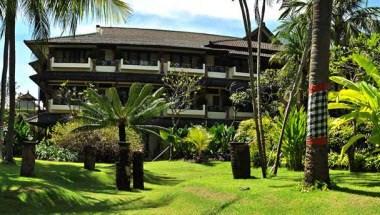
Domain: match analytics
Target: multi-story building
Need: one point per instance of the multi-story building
(120, 56)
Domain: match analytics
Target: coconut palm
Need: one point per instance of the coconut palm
(316, 160)
(41, 14)
(107, 110)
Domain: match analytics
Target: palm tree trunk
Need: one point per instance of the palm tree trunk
(123, 170)
(258, 85)
(316, 161)
(247, 26)
(295, 86)
(4, 88)
(10, 138)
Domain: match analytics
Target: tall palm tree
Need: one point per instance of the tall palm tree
(316, 160)
(107, 110)
(247, 26)
(41, 14)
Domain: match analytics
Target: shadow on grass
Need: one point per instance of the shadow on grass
(223, 206)
(151, 178)
(357, 192)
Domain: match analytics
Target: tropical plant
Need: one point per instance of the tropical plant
(294, 138)
(360, 99)
(107, 110)
(200, 138)
(222, 135)
(316, 160)
(47, 150)
(40, 14)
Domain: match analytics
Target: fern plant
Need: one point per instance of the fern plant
(200, 138)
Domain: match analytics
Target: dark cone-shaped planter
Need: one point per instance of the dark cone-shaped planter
(89, 157)
(28, 159)
(240, 160)
(138, 170)
(123, 176)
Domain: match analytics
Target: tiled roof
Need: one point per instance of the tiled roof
(165, 38)
(135, 36)
(240, 43)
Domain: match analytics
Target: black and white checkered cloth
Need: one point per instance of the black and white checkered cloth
(317, 115)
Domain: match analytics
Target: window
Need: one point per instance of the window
(71, 55)
(153, 59)
(176, 60)
(144, 59)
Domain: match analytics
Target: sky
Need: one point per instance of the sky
(207, 16)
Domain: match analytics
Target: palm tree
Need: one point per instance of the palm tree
(107, 110)
(41, 14)
(247, 26)
(349, 17)
(316, 160)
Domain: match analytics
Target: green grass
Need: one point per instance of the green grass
(180, 188)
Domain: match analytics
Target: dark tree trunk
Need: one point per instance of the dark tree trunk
(10, 138)
(28, 159)
(316, 161)
(351, 159)
(247, 26)
(123, 175)
(138, 170)
(89, 157)
(240, 160)
(4, 88)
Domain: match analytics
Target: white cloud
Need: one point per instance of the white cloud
(227, 9)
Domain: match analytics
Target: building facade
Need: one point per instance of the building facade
(117, 57)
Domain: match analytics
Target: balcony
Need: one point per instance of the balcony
(240, 114)
(59, 66)
(174, 68)
(61, 108)
(193, 112)
(239, 75)
(216, 113)
(139, 68)
(217, 71)
(107, 65)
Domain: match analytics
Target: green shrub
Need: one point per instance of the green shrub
(246, 132)
(104, 140)
(222, 136)
(176, 137)
(47, 150)
(339, 135)
(335, 161)
(295, 139)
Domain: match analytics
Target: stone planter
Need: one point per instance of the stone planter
(138, 170)
(240, 160)
(28, 158)
(89, 157)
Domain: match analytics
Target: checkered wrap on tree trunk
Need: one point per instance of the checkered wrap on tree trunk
(317, 115)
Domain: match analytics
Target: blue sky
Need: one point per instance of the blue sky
(207, 16)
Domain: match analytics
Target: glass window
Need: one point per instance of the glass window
(133, 58)
(144, 59)
(186, 61)
(175, 60)
(153, 59)
(196, 62)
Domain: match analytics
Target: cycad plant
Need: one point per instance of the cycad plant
(200, 138)
(360, 99)
(107, 110)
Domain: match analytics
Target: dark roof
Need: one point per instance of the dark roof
(26, 97)
(241, 43)
(46, 119)
(153, 37)
(136, 36)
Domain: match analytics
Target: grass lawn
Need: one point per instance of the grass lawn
(180, 188)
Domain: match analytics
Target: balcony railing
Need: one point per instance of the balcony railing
(68, 65)
(201, 112)
(107, 65)
(235, 74)
(239, 114)
(61, 108)
(217, 71)
(215, 112)
(139, 68)
(173, 68)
